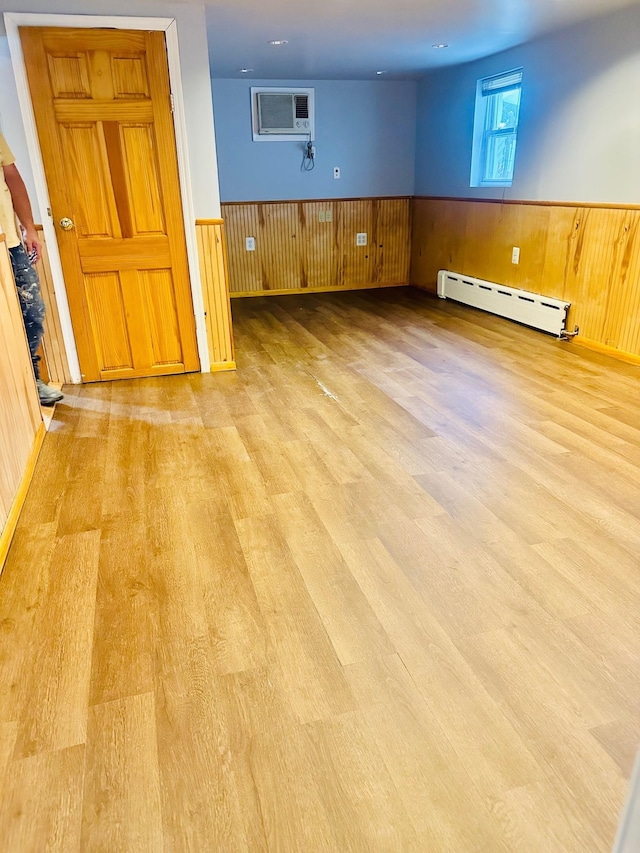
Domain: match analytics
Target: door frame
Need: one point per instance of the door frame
(15, 20)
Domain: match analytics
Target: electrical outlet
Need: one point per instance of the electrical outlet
(328, 216)
(322, 216)
(250, 244)
(361, 239)
(515, 255)
(336, 173)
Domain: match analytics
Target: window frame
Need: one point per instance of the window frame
(483, 133)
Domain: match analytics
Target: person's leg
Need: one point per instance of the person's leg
(33, 311)
(31, 301)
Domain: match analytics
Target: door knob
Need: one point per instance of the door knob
(66, 224)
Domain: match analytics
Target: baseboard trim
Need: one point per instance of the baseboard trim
(612, 352)
(426, 288)
(18, 502)
(298, 290)
(220, 366)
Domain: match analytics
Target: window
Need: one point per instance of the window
(495, 130)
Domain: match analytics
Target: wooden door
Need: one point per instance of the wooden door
(103, 112)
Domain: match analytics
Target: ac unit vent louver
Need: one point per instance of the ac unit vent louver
(302, 106)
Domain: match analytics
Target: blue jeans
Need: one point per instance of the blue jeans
(33, 309)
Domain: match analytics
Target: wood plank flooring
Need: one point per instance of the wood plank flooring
(375, 591)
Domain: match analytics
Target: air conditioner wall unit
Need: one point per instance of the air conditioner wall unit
(282, 114)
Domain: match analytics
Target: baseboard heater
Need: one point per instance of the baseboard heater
(531, 309)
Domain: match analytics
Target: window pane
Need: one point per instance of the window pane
(500, 156)
(504, 109)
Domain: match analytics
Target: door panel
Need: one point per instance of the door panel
(102, 107)
(140, 168)
(156, 288)
(69, 76)
(129, 77)
(106, 308)
(89, 188)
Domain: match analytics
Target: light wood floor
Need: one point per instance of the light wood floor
(376, 591)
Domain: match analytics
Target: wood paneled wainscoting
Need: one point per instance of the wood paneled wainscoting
(586, 254)
(21, 426)
(214, 276)
(305, 246)
(54, 352)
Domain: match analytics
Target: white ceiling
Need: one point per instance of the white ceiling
(352, 39)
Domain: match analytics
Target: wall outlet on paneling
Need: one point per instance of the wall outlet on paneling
(328, 216)
(515, 255)
(250, 243)
(361, 239)
(322, 216)
(336, 173)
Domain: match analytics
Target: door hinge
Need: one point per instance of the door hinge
(172, 102)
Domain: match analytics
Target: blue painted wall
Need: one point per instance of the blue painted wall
(367, 128)
(579, 132)
(579, 127)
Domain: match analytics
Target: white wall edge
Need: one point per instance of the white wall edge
(188, 209)
(14, 20)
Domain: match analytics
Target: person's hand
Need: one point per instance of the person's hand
(32, 243)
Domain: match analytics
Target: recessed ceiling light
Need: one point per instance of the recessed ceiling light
(379, 73)
(246, 71)
(439, 46)
(277, 42)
